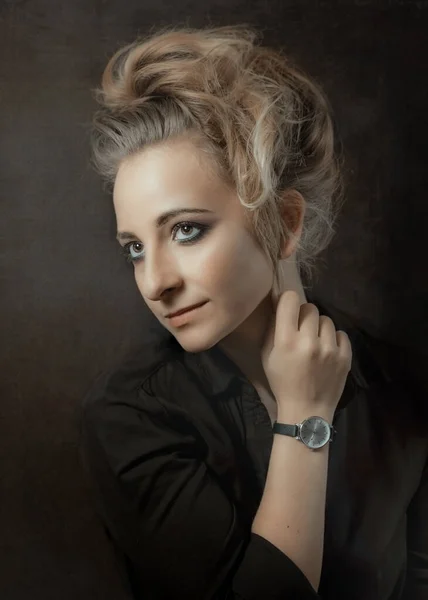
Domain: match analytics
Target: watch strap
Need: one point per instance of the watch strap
(285, 429)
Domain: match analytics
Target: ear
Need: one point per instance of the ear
(293, 212)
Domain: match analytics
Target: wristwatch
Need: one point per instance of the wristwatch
(314, 431)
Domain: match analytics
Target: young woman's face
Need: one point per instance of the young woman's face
(212, 258)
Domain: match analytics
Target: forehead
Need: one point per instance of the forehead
(168, 176)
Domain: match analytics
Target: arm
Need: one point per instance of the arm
(416, 586)
(293, 517)
(169, 515)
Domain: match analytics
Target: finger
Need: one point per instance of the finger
(309, 320)
(327, 331)
(288, 311)
(345, 347)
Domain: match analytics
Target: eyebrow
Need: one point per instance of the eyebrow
(164, 218)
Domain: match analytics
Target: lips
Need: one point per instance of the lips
(183, 310)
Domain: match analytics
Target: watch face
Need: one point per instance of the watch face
(315, 432)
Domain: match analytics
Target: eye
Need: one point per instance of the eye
(127, 251)
(189, 239)
(183, 226)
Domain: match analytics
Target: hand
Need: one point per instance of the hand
(305, 359)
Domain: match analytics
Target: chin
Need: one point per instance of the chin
(195, 341)
(194, 346)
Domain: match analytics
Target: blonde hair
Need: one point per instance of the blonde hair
(266, 126)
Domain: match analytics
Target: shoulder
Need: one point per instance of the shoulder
(387, 370)
(140, 381)
(375, 359)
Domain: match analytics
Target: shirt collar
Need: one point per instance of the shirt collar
(222, 373)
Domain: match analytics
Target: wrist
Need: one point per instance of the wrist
(298, 414)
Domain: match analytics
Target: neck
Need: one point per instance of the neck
(243, 345)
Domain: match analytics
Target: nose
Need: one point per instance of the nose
(160, 273)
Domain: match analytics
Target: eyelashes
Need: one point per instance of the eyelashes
(203, 230)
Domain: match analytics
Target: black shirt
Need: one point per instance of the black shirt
(178, 444)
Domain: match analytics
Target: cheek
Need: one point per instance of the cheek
(238, 272)
(221, 264)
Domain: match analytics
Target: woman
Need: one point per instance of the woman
(260, 449)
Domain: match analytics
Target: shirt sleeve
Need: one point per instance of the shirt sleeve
(169, 514)
(416, 586)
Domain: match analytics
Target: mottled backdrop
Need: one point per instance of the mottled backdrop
(69, 304)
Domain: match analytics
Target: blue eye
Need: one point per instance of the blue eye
(203, 229)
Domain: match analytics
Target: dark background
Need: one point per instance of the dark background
(69, 304)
